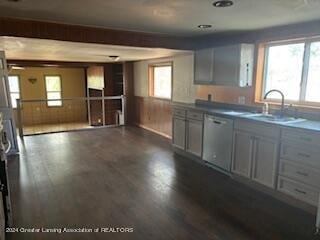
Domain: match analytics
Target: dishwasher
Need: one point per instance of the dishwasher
(217, 142)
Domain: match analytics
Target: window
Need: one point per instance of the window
(53, 89)
(14, 88)
(294, 69)
(160, 80)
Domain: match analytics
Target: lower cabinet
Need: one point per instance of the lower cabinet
(179, 133)
(299, 171)
(255, 156)
(242, 153)
(188, 131)
(194, 137)
(265, 161)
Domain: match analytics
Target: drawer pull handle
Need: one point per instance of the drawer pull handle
(304, 155)
(299, 191)
(305, 139)
(302, 173)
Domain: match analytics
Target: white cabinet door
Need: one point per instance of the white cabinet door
(203, 66)
(179, 133)
(226, 69)
(233, 65)
(265, 160)
(242, 153)
(194, 137)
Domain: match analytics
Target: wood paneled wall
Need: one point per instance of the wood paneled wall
(74, 33)
(128, 91)
(154, 114)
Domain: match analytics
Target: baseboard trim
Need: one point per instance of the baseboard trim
(152, 130)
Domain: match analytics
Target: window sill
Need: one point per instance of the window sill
(54, 106)
(160, 98)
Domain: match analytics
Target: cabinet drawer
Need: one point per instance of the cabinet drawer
(257, 128)
(194, 115)
(301, 136)
(298, 190)
(304, 155)
(300, 172)
(180, 112)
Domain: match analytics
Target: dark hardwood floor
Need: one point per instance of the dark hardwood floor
(128, 177)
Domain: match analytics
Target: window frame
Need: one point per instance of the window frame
(304, 76)
(151, 68)
(46, 91)
(19, 86)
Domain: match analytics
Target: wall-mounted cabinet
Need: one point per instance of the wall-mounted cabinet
(203, 66)
(226, 66)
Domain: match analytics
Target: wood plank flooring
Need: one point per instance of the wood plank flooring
(129, 177)
(54, 127)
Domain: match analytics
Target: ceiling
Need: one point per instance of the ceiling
(174, 17)
(40, 49)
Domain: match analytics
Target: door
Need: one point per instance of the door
(179, 133)
(203, 66)
(265, 160)
(194, 137)
(242, 153)
(226, 65)
(5, 105)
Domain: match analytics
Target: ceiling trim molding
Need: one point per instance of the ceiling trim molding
(64, 32)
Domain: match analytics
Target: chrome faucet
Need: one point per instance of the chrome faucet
(282, 99)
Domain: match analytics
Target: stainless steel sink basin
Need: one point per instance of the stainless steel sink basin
(274, 118)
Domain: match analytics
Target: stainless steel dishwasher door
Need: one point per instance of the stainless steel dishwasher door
(217, 141)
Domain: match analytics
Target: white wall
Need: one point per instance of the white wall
(5, 105)
(183, 88)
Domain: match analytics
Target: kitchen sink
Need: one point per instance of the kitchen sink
(274, 118)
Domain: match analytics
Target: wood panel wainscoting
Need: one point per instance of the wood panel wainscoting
(153, 114)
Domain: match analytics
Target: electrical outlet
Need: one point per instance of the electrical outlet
(242, 100)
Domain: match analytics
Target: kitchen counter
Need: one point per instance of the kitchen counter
(250, 115)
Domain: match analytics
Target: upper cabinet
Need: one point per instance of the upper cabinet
(203, 69)
(226, 66)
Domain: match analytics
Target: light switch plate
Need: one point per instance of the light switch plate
(242, 100)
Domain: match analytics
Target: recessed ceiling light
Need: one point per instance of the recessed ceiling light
(114, 58)
(223, 3)
(203, 26)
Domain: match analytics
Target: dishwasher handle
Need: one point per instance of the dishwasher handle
(216, 121)
(219, 122)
